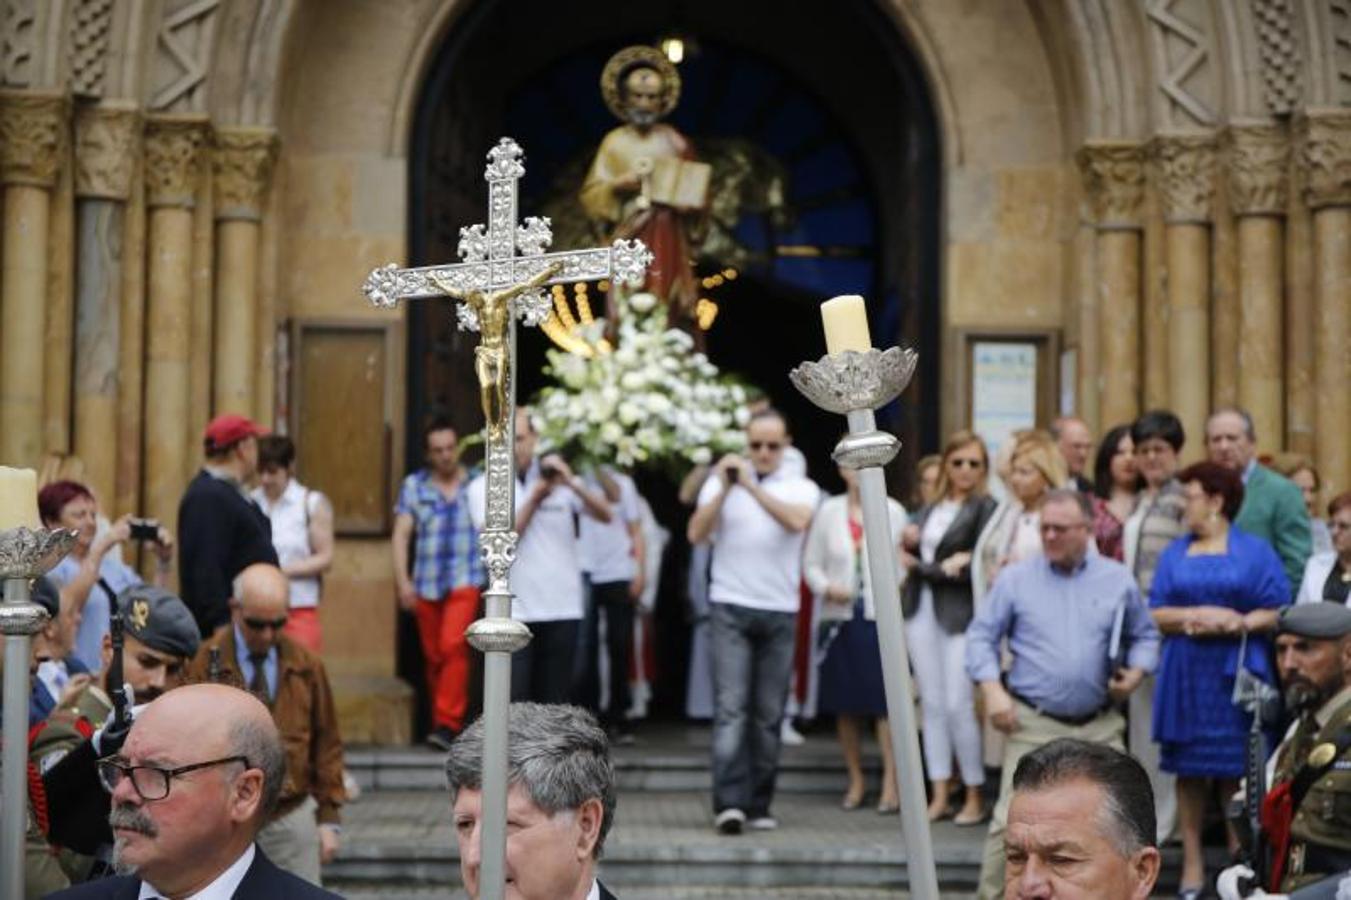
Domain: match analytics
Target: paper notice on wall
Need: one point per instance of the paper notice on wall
(1003, 390)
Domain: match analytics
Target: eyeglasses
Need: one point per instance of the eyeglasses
(771, 446)
(263, 624)
(965, 463)
(1050, 528)
(152, 782)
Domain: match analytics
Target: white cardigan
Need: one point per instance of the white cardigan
(1316, 573)
(829, 556)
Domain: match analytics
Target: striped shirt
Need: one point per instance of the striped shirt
(445, 547)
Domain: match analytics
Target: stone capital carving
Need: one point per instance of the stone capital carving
(173, 148)
(106, 144)
(1114, 177)
(1259, 169)
(1184, 170)
(1326, 157)
(244, 159)
(32, 136)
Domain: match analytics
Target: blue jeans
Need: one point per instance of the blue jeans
(752, 665)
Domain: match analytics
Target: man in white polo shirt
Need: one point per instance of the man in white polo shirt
(755, 514)
(547, 577)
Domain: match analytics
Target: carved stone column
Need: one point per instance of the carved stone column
(244, 159)
(107, 139)
(1184, 167)
(1327, 155)
(32, 137)
(1300, 316)
(172, 148)
(1114, 175)
(1258, 185)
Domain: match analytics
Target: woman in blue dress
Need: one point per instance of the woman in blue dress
(1213, 586)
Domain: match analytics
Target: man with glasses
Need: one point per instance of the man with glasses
(756, 516)
(1080, 640)
(195, 781)
(291, 682)
(159, 638)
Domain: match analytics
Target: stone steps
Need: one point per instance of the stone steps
(398, 841)
(651, 765)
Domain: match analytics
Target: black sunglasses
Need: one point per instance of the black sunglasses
(766, 445)
(965, 463)
(261, 624)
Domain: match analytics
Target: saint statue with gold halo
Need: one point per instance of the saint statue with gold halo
(645, 181)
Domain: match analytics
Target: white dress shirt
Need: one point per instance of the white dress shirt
(223, 888)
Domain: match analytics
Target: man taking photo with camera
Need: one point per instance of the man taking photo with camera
(547, 576)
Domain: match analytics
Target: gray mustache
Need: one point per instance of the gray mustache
(132, 819)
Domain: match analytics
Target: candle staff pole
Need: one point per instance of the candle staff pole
(854, 384)
(25, 554)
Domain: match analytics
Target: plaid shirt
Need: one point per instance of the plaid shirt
(445, 548)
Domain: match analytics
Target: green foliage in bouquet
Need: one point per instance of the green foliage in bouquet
(651, 402)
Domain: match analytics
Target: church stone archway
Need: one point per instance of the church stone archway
(837, 103)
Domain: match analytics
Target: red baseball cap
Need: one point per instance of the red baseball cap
(229, 429)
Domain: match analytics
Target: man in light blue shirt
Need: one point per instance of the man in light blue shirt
(1081, 641)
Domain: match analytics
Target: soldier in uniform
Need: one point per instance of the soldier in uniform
(160, 638)
(1306, 814)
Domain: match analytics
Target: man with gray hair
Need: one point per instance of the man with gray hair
(1081, 641)
(1273, 506)
(198, 776)
(1081, 824)
(560, 797)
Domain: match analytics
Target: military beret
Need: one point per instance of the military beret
(1322, 620)
(159, 620)
(47, 595)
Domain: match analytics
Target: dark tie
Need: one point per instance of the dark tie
(258, 684)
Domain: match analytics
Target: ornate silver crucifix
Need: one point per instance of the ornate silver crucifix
(504, 269)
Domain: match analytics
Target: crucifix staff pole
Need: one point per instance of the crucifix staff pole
(503, 269)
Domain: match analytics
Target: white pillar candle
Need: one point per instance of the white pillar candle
(846, 322)
(18, 498)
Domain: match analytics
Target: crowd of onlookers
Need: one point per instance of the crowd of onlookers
(251, 546)
(1110, 595)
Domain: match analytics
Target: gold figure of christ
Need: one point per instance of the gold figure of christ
(492, 356)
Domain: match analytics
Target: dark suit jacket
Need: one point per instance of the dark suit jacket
(263, 881)
(952, 596)
(220, 532)
(605, 893)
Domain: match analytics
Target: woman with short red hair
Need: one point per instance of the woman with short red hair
(1215, 596)
(91, 576)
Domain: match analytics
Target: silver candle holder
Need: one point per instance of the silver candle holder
(855, 384)
(25, 553)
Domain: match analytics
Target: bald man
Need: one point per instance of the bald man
(291, 682)
(1076, 445)
(196, 779)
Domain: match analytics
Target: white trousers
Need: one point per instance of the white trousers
(1140, 742)
(946, 699)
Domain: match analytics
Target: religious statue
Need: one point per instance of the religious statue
(645, 181)
(492, 356)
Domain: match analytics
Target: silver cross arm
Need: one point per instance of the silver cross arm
(624, 261)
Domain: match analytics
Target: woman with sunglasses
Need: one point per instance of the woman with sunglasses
(937, 605)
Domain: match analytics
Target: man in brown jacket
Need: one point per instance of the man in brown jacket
(291, 680)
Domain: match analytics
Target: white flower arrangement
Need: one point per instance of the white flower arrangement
(652, 402)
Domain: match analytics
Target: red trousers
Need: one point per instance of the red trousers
(302, 626)
(441, 627)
